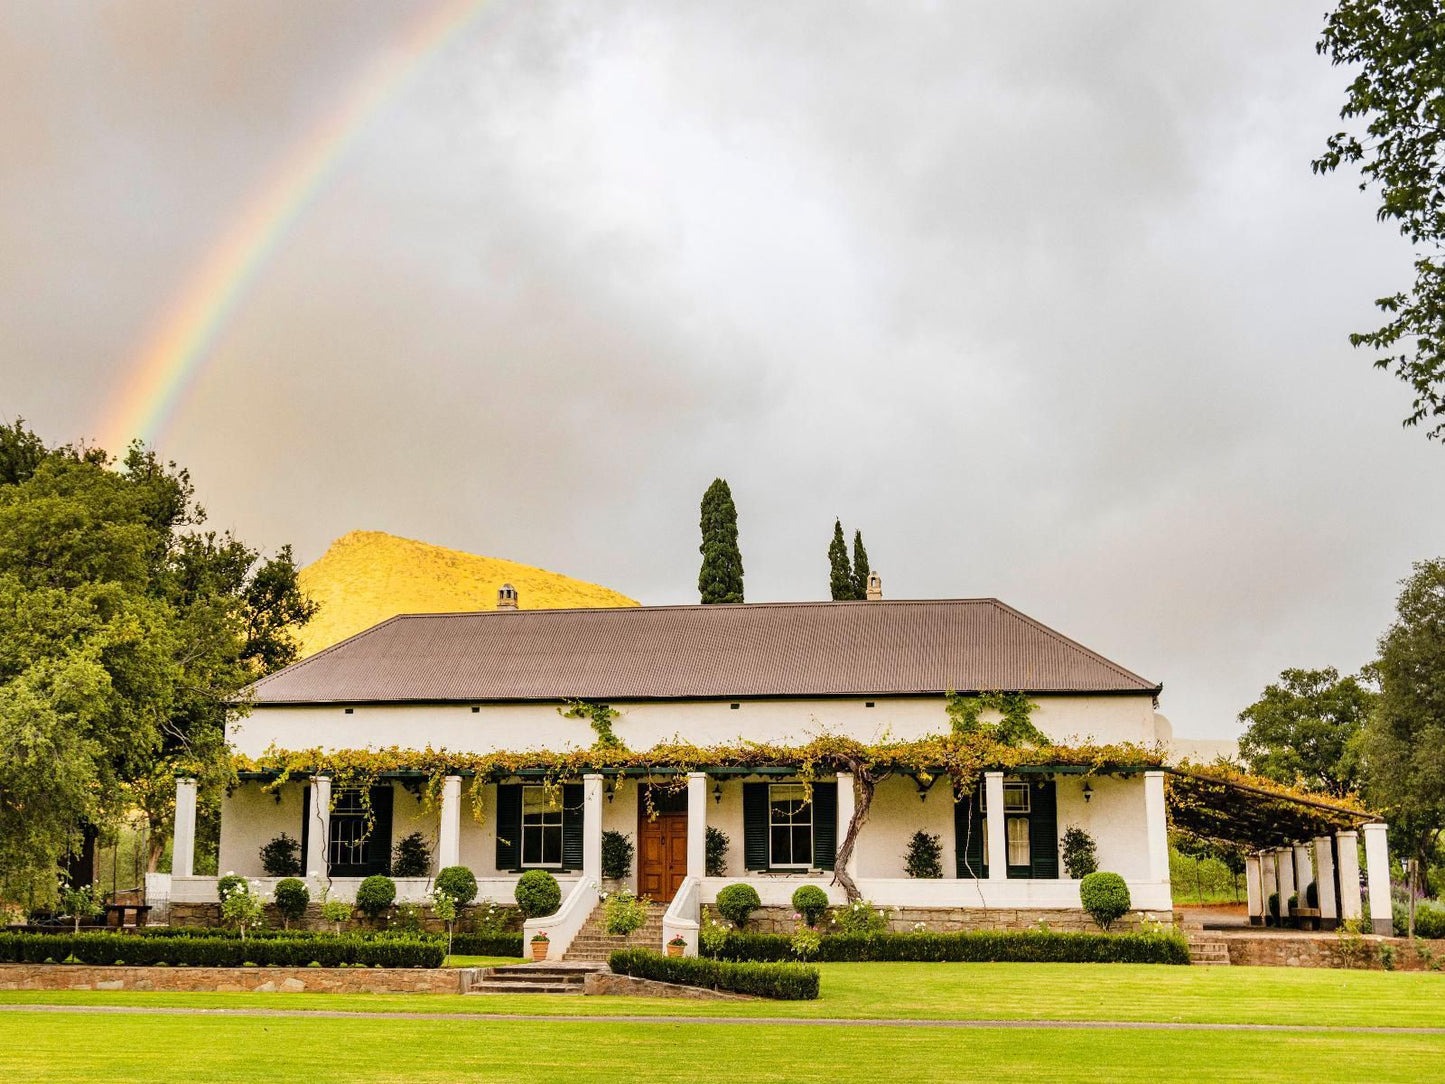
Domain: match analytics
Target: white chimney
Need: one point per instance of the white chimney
(506, 597)
(875, 587)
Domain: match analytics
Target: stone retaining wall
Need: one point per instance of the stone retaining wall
(953, 919)
(606, 983)
(265, 980)
(1280, 950)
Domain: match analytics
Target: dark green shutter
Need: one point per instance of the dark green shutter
(378, 844)
(1044, 830)
(306, 831)
(755, 826)
(825, 825)
(509, 826)
(572, 799)
(968, 830)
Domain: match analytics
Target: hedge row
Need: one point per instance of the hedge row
(970, 946)
(486, 944)
(784, 982)
(111, 948)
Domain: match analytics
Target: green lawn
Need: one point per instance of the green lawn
(1124, 992)
(75, 1049)
(481, 961)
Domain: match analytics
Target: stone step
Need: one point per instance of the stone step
(1210, 951)
(490, 986)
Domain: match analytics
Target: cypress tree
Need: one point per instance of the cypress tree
(840, 577)
(860, 567)
(721, 578)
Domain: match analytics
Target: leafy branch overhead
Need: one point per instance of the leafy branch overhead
(599, 717)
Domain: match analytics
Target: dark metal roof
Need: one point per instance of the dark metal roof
(795, 649)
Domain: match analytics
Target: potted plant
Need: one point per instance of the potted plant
(540, 943)
(675, 946)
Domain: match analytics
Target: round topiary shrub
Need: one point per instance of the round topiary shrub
(291, 897)
(737, 902)
(1273, 908)
(1105, 896)
(538, 894)
(617, 851)
(1312, 895)
(811, 902)
(231, 882)
(375, 895)
(459, 883)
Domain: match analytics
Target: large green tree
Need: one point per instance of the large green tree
(1404, 741)
(840, 576)
(126, 635)
(1395, 111)
(1305, 729)
(860, 567)
(721, 576)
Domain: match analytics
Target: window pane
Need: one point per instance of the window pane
(1018, 841)
(552, 846)
(790, 825)
(782, 854)
(803, 846)
(1016, 797)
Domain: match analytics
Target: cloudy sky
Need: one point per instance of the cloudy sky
(1042, 297)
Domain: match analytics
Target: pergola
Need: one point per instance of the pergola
(1293, 839)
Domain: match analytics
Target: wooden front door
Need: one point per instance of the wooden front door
(661, 844)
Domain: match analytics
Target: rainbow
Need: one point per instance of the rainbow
(167, 365)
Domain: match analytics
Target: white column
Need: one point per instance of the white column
(1351, 905)
(847, 803)
(449, 831)
(592, 827)
(1252, 889)
(1285, 858)
(1157, 820)
(319, 819)
(183, 842)
(1377, 873)
(1304, 871)
(697, 824)
(1325, 882)
(994, 823)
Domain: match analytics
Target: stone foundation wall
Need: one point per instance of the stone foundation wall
(954, 919)
(324, 980)
(209, 914)
(1280, 950)
(606, 983)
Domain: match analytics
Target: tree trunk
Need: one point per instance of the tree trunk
(863, 784)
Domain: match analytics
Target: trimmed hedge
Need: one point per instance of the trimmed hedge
(110, 948)
(783, 982)
(487, 944)
(970, 946)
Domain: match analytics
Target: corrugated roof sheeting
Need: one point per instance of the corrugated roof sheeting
(701, 652)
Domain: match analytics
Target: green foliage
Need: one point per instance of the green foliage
(711, 934)
(617, 853)
(1080, 854)
(599, 717)
(811, 903)
(1105, 896)
(715, 847)
(1404, 741)
(1397, 140)
(924, 857)
(1429, 919)
(281, 857)
(81, 904)
(805, 942)
(1201, 875)
(126, 634)
(861, 917)
(737, 902)
(721, 577)
(1312, 895)
(1273, 907)
(971, 946)
(1387, 956)
(782, 982)
(411, 857)
(487, 944)
(538, 894)
(444, 906)
(243, 909)
(840, 576)
(458, 882)
(336, 912)
(1015, 727)
(375, 895)
(1304, 730)
(282, 951)
(291, 898)
(230, 883)
(623, 914)
(860, 567)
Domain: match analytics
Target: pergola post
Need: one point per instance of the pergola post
(1377, 872)
(1347, 847)
(1285, 858)
(1268, 881)
(994, 822)
(1304, 873)
(1253, 889)
(449, 830)
(1325, 882)
(1156, 819)
(697, 824)
(592, 827)
(183, 842)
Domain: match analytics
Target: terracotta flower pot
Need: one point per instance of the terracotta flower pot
(675, 950)
(539, 949)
